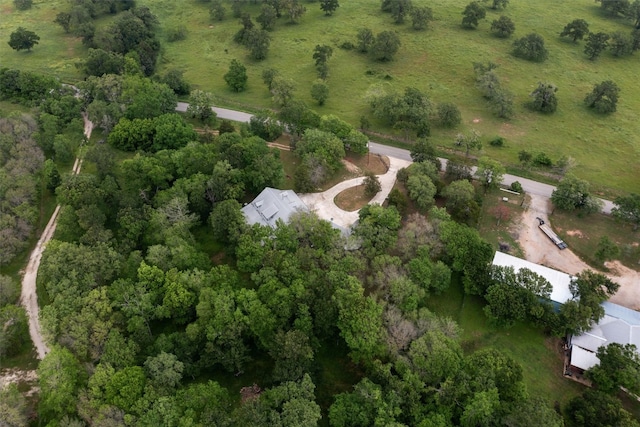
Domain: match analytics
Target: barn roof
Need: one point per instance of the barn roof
(559, 280)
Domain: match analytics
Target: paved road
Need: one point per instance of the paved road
(528, 185)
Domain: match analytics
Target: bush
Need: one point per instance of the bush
(403, 175)
(23, 4)
(541, 159)
(226, 127)
(347, 45)
(516, 186)
(498, 141)
(176, 33)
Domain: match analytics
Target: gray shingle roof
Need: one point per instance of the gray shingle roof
(271, 205)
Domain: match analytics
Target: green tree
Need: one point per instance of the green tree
(420, 17)
(268, 77)
(421, 190)
(460, 197)
(499, 4)
(265, 125)
(596, 43)
(297, 117)
(596, 409)
(573, 194)
(359, 321)
(321, 55)
(258, 42)
(23, 39)
(472, 15)
(576, 29)
(544, 98)
(366, 40)
(282, 90)
(164, 370)
(531, 47)
(635, 40)
(59, 376)
(377, 227)
(329, 6)
(385, 46)
(371, 184)
(217, 11)
(589, 290)
(320, 92)
(236, 77)
(293, 355)
(604, 97)
(268, 17)
(449, 115)
(294, 10)
(228, 222)
(619, 367)
(324, 145)
(400, 9)
(15, 330)
(64, 20)
(503, 27)
(101, 62)
(13, 407)
(469, 142)
(620, 44)
(627, 208)
(606, 249)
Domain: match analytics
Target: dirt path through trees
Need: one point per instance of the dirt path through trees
(539, 249)
(28, 297)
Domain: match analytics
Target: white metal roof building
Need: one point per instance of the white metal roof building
(271, 205)
(619, 324)
(559, 280)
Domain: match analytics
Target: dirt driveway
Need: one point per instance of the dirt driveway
(539, 249)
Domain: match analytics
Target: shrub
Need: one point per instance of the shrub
(541, 159)
(498, 141)
(371, 184)
(399, 200)
(516, 186)
(449, 115)
(176, 33)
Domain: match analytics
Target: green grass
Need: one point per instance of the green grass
(538, 354)
(582, 234)
(488, 226)
(437, 61)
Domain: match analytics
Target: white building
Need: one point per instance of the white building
(619, 324)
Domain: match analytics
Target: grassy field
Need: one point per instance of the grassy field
(582, 234)
(437, 61)
(538, 354)
(494, 232)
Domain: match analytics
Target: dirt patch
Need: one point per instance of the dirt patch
(352, 199)
(476, 120)
(576, 233)
(539, 249)
(18, 376)
(351, 167)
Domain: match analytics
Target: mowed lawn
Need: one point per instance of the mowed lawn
(437, 61)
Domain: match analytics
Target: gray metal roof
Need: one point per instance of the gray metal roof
(619, 324)
(271, 205)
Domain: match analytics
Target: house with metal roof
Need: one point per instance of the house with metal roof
(560, 281)
(272, 205)
(619, 325)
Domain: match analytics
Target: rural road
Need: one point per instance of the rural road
(28, 295)
(528, 185)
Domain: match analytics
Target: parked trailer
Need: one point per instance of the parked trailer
(550, 234)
